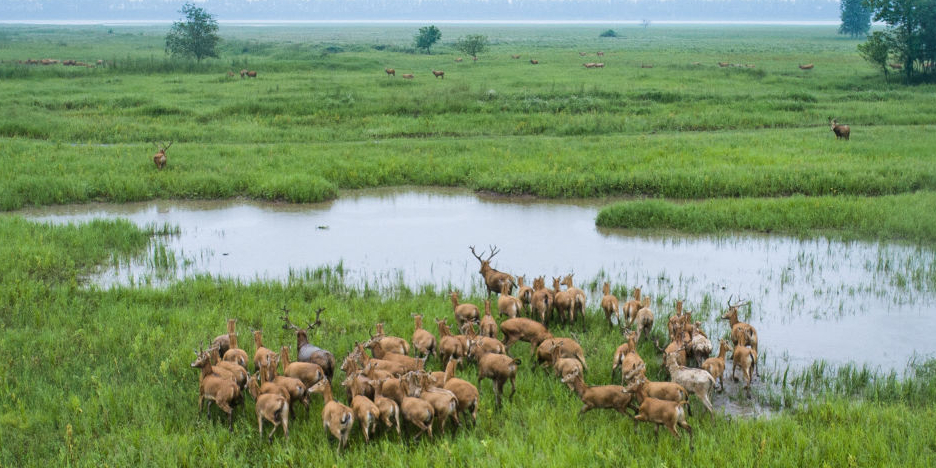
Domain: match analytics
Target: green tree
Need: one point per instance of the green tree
(911, 27)
(427, 36)
(472, 44)
(876, 50)
(608, 33)
(196, 36)
(856, 18)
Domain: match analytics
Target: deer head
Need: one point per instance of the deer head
(485, 263)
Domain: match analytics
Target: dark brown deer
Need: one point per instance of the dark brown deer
(493, 279)
(841, 131)
(439, 74)
(307, 352)
(160, 157)
(534, 61)
(808, 66)
(390, 72)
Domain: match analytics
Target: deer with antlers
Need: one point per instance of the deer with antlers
(160, 157)
(305, 351)
(738, 328)
(493, 279)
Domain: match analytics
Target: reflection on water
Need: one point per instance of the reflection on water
(863, 302)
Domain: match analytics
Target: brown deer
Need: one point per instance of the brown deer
(160, 157)
(493, 279)
(514, 56)
(438, 74)
(808, 66)
(534, 61)
(252, 74)
(841, 131)
(220, 390)
(408, 76)
(390, 72)
(459, 59)
(243, 73)
(737, 327)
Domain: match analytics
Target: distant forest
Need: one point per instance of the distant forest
(311, 10)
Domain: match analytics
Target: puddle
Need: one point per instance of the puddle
(859, 302)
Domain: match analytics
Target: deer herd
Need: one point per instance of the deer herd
(392, 383)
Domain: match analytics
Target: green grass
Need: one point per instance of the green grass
(897, 217)
(323, 116)
(94, 377)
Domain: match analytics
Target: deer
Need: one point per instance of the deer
(459, 59)
(716, 365)
(699, 347)
(746, 359)
(808, 66)
(589, 65)
(661, 412)
(583, 54)
(160, 157)
(213, 388)
(389, 409)
(724, 64)
(697, 381)
(738, 328)
(390, 72)
(524, 329)
(646, 65)
(515, 56)
(391, 344)
(609, 304)
(534, 61)
(564, 366)
(599, 65)
(449, 345)
(438, 74)
(408, 363)
(669, 391)
(579, 298)
(337, 418)
(273, 408)
(630, 308)
(464, 312)
(465, 392)
(252, 74)
(234, 354)
(261, 352)
(499, 368)
(644, 320)
(567, 347)
(309, 373)
(488, 326)
(223, 342)
(238, 373)
(417, 411)
(243, 72)
(603, 396)
(365, 410)
(444, 402)
(293, 386)
(524, 293)
(840, 131)
(507, 304)
(305, 351)
(564, 302)
(424, 342)
(542, 302)
(493, 279)
(407, 76)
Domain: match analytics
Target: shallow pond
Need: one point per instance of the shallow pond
(868, 303)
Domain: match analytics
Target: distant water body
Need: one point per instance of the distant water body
(418, 21)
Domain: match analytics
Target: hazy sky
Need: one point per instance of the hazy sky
(518, 10)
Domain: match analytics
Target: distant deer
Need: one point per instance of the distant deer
(408, 76)
(390, 72)
(459, 59)
(841, 131)
(808, 66)
(534, 61)
(439, 74)
(514, 56)
(160, 157)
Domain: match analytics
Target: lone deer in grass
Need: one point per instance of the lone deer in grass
(438, 74)
(808, 66)
(160, 157)
(841, 131)
(493, 279)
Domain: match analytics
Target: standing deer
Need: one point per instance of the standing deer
(305, 351)
(160, 157)
(439, 74)
(841, 131)
(390, 72)
(493, 279)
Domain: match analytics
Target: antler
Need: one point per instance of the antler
(167, 146)
(494, 251)
(317, 322)
(285, 318)
(475, 253)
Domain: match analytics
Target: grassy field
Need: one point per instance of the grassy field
(93, 378)
(97, 377)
